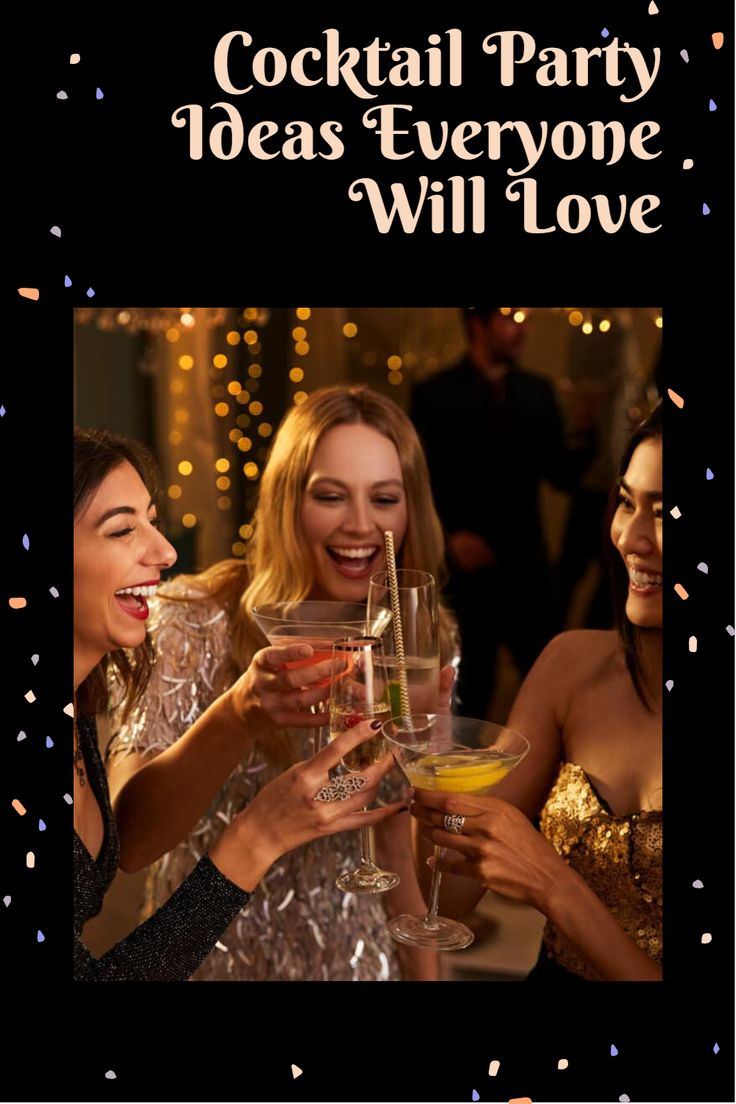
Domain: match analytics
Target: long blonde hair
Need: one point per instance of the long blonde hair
(278, 565)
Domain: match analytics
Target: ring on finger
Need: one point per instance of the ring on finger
(341, 788)
(453, 822)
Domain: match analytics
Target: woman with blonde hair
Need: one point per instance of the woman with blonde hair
(346, 465)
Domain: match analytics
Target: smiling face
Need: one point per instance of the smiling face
(354, 493)
(118, 556)
(636, 531)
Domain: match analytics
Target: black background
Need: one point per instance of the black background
(144, 225)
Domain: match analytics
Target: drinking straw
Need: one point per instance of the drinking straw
(393, 584)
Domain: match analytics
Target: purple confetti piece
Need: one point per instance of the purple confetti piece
(67, 281)
(708, 474)
(56, 231)
(90, 292)
(34, 659)
(706, 209)
(62, 95)
(684, 55)
(40, 937)
(2, 411)
(53, 592)
(26, 542)
(49, 742)
(41, 826)
(716, 1048)
(614, 1050)
(669, 684)
(730, 630)
(697, 884)
(99, 94)
(712, 106)
(111, 1075)
(475, 1095)
(605, 32)
(68, 799)
(702, 566)
(8, 899)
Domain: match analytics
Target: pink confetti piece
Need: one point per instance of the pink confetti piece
(30, 697)
(688, 163)
(17, 603)
(563, 1064)
(28, 293)
(296, 1072)
(34, 660)
(69, 799)
(697, 884)
(717, 37)
(669, 684)
(677, 399)
(111, 1075)
(69, 709)
(676, 512)
(18, 806)
(685, 56)
(730, 630)
(494, 1067)
(74, 59)
(62, 95)
(702, 566)
(30, 860)
(692, 644)
(706, 937)
(653, 9)
(681, 592)
(53, 592)
(56, 231)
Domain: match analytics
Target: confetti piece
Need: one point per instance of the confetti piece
(53, 592)
(62, 95)
(697, 884)
(99, 94)
(21, 736)
(90, 292)
(41, 826)
(716, 1048)
(30, 696)
(26, 542)
(30, 860)
(220, 946)
(18, 806)
(8, 899)
(688, 163)
(295, 1071)
(717, 37)
(708, 474)
(111, 1075)
(520, 1100)
(706, 209)
(684, 55)
(2, 411)
(624, 1099)
(74, 59)
(712, 106)
(605, 32)
(17, 603)
(49, 742)
(56, 231)
(614, 1050)
(475, 1095)
(494, 1068)
(702, 566)
(653, 9)
(562, 1064)
(67, 281)
(68, 799)
(40, 937)
(28, 293)
(669, 684)
(69, 709)
(34, 660)
(730, 630)
(681, 592)
(693, 643)
(706, 937)
(677, 399)
(676, 512)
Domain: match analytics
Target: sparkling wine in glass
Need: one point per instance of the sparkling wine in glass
(359, 692)
(420, 626)
(442, 753)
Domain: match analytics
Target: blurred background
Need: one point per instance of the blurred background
(205, 388)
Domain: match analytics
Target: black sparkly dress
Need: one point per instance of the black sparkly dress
(173, 942)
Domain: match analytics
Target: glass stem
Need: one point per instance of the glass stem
(367, 845)
(434, 891)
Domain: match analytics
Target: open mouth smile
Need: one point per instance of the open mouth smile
(134, 600)
(644, 583)
(354, 562)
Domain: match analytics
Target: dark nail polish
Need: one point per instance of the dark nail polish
(376, 724)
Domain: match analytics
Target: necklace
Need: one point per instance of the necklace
(79, 758)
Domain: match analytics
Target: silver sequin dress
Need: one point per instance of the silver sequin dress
(298, 926)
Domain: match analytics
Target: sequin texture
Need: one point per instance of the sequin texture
(620, 857)
(298, 926)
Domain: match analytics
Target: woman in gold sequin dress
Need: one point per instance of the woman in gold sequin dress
(591, 708)
(346, 465)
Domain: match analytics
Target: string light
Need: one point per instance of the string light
(234, 387)
(243, 396)
(235, 435)
(222, 483)
(174, 491)
(245, 444)
(221, 409)
(188, 320)
(185, 467)
(296, 375)
(301, 348)
(299, 333)
(250, 470)
(587, 327)
(246, 531)
(175, 437)
(395, 378)
(222, 464)
(604, 325)
(250, 337)
(220, 360)
(350, 329)
(189, 521)
(238, 548)
(172, 334)
(658, 321)
(575, 318)
(255, 408)
(223, 503)
(519, 316)
(186, 362)
(255, 371)
(303, 313)
(300, 397)
(265, 429)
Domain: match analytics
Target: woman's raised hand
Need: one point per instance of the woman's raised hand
(271, 694)
(300, 805)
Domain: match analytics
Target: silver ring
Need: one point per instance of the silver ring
(341, 788)
(453, 822)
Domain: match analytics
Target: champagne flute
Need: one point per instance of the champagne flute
(359, 693)
(419, 612)
(433, 753)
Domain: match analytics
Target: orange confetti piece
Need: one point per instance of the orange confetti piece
(680, 591)
(677, 399)
(717, 39)
(28, 293)
(520, 1100)
(18, 806)
(17, 603)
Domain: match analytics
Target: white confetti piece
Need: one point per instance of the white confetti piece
(706, 937)
(68, 798)
(69, 709)
(30, 860)
(494, 1067)
(296, 1072)
(693, 644)
(669, 684)
(56, 231)
(702, 566)
(21, 735)
(221, 946)
(653, 9)
(697, 884)
(74, 59)
(624, 1099)
(730, 630)
(562, 1064)
(685, 57)
(111, 1075)
(675, 512)
(35, 659)
(7, 899)
(62, 95)
(30, 696)
(286, 901)
(53, 592)
(688, 163)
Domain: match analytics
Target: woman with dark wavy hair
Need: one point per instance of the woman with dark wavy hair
(591, 708)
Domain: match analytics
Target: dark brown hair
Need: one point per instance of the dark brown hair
(96, 454)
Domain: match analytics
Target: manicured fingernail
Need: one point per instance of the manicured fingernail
(430, 860)
(376, 724)
(304, 650)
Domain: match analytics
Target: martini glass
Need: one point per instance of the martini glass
(318, 624)
(443, 753)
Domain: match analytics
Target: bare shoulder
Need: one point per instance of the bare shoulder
(568, 661)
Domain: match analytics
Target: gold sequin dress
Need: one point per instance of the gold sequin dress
(298, 926)
(620, 857)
